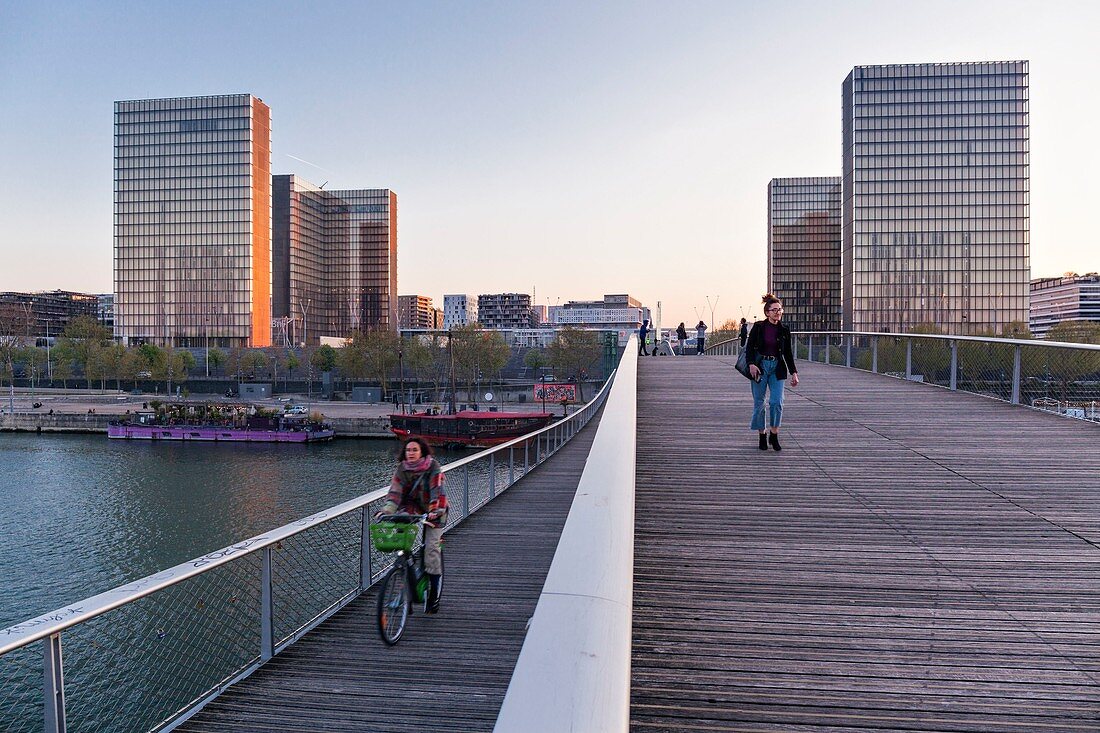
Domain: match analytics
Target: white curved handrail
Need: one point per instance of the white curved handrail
(573, 672)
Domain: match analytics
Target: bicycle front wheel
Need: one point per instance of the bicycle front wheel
(393, 605)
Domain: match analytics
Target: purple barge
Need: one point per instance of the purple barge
(218, 423)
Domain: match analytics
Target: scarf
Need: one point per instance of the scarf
(417, 466)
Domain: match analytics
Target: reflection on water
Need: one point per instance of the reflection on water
(80, 514)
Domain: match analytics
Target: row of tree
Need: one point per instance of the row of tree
(85, 350)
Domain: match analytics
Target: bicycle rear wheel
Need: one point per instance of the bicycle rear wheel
(393, 605)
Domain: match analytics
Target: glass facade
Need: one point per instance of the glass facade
(192, 221)
(335, 260)
(804, 250)
(935, 197)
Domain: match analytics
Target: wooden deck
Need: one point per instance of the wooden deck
(913, 560)
(450, 671)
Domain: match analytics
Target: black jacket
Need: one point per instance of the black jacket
(786, 356)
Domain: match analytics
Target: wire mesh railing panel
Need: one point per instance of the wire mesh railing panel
(931, 361)
(985, 369)
(130, 667)
(21, 690)
(1066, 381)
(314, 570)
(891, 356)
(862, 352)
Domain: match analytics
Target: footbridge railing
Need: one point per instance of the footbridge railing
(1048, 375)
(149, 654)
(573, 672)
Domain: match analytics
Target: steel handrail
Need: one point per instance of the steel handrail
(948, 337)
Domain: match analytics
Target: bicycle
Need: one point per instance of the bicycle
(406, 582)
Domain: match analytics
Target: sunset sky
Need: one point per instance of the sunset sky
(573, 148)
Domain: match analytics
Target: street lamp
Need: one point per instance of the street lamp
(712, 307)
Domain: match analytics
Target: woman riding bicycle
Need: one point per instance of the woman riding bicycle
(417, 488)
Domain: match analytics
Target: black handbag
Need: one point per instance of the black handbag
(742, 365)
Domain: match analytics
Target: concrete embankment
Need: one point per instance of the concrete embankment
(346, 427)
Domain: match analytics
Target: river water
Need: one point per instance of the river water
(81, 514)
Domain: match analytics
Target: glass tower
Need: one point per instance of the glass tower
(192, 225)
(935, 196)
(335, 261)
(804, 251)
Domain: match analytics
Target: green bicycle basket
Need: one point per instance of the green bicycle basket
(393, 536)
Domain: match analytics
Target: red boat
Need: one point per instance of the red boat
(468, 428)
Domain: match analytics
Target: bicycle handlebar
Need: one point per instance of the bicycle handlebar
(402, 518)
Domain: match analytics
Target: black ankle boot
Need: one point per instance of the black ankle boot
(763, 441)
(773, 438)
(434, 583)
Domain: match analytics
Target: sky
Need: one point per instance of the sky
(566, 149)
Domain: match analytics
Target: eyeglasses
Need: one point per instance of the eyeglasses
(776, 309)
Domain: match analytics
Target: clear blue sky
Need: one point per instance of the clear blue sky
(578, 148)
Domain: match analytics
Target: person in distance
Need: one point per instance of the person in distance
(770, 362)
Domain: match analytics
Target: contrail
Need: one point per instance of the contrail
(307, 162)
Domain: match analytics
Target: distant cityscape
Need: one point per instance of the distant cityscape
(926, 227)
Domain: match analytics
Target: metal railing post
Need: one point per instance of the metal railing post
(267, 607)
(526, 456)
(810, 347)
(954, 365)
(908, 358)
(1016, 375)
(848, 351)
(511, 465)
(874, 354)
(466, 488)
(492, 475)
(828, 348)
(53, 684)
(364, 551)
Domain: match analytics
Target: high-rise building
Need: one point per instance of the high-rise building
(365, 226)
(192, 228)
(334, 265)
(504, 310)
(437, 318)
(1072, 297)
(459, 310)
(936, 175)
(415, 311)
(804, 251)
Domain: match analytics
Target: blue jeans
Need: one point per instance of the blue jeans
(774, 386)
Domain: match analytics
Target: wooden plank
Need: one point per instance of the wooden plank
(914, 559)
(450, 671)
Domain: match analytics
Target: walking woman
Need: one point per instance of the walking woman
(417, 488)
(770, 362)
(681, 336)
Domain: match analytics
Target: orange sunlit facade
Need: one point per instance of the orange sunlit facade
(261, 224)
